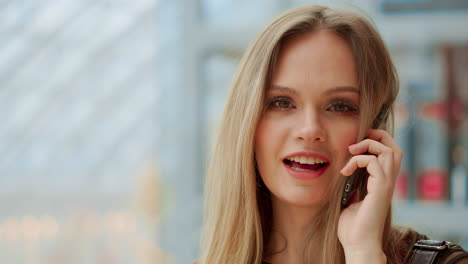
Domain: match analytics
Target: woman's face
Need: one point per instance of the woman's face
(310, 118)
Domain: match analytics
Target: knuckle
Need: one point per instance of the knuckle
(383, 132)
(372, 158)
(388, 151)
(351, 162)
(400, 153)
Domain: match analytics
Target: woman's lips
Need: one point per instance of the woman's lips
(305, 174)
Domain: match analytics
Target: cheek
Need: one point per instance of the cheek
(348, 139)
(346, 135)
(261, 137)
(268, 130)
(268, 143)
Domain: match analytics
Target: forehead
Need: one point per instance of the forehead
(315, 59)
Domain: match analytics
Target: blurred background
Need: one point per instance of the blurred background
(109, 108)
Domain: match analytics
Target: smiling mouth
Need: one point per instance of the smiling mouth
(297, 166)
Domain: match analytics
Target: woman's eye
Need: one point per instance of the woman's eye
(281, 103)
(342, 107)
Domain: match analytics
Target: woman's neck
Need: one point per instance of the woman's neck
(291, 225)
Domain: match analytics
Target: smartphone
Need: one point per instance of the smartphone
(358, 180)
(355, 182)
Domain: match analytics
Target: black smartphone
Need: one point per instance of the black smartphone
(355, 182)
(358, 180)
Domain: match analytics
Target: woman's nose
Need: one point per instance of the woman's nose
(310, 128)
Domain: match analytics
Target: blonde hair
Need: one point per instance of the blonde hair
(237, 205)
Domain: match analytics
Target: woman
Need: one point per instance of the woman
(297, 121)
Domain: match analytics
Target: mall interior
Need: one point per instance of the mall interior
(110, 110)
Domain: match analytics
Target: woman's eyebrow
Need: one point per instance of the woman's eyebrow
(284, 89)
(340, 89)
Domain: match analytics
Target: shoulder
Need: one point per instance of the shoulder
(456, 257)
(426, 251)
(402, 241)
(416, 248)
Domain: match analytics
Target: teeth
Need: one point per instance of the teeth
(306, 160)
(299, 169)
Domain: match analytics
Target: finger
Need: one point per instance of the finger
(362, 161)
(371, 146)
(385, 138)
(378, 183)
(384, 153)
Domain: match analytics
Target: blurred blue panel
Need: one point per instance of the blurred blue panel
(423, 6)
(232, 15)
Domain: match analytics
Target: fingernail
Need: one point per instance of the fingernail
(352, 145)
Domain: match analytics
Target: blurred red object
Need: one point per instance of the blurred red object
(434, 110)
(432, 185)
(401, 187)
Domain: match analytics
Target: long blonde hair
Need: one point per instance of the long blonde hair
(237, 221)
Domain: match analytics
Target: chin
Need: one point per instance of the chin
(303, 198)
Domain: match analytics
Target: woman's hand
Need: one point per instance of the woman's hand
(361, 224)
